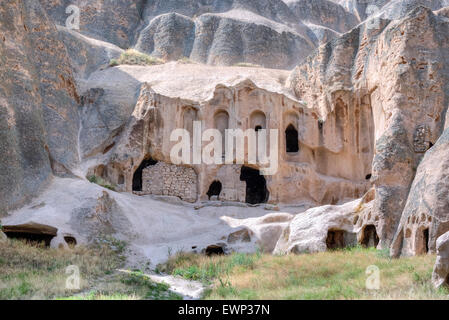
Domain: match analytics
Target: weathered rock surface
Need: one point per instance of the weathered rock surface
(87, 55)
(426, 213)
(169, 36)
(38, 103)
(440, 276)
(329, 227)
(323, 13)
(384, 70)
(114, 21)
(264, 231)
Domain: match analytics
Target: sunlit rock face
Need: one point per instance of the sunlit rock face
(357, 91)
(386, 72)
(38, 103)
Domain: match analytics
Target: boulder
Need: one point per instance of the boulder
(440, 276)
(320, 229)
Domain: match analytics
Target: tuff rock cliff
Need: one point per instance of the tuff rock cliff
(361, 86)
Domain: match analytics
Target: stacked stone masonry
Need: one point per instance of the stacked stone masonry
(170, 180)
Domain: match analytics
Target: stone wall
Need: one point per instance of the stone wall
(170, 180)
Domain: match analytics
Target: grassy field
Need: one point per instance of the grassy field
(35, 272)
(329, 275)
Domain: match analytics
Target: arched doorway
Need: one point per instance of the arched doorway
(256, 186)
(291, 139)
(369, 236)
(214, 189)
(137, 178)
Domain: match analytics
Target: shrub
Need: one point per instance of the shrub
(185, 60)
(134, 57)
(101, 182)
(247, 65)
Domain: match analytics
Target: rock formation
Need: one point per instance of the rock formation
(38, 103)
(361, 116)
(440, 275)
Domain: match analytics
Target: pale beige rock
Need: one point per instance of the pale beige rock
(172, 96)
(265, 230)
(382, 73)
(440, 276)
(308, 231)
(3, 237)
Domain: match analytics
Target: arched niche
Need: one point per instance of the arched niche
(258, 120)
(221, 123)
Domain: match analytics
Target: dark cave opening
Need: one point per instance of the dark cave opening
(31, 238)
(216, 250)
(369, 237)
(368, 176)
(214, 189)
(335, 239)
(256, 186)
(137, 178)
(33, 234)
(425, 234)
(71, 241)
(258, 128)
(291, 139)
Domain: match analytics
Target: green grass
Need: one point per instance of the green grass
(132, 285)
(191, 267)
(31, 271)
(134, 57)
(329, 275)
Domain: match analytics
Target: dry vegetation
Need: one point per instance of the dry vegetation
(134, 57)
(31, 271)
(329, 275)
(35, 272)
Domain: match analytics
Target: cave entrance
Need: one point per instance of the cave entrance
(369, 237)
(291, 139)
(335, 239)
(71, 241)
(256, 186)
(425, 235)
(214, 250)
(31, 233)
(137, 178)
(214, 189)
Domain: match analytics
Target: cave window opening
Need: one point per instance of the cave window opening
(368, 176)
(137, 178)
(121, 179)
(214, 189)
(256, 186)
(258, 128)
(71, 241)
(370, 237)
(291, 139)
